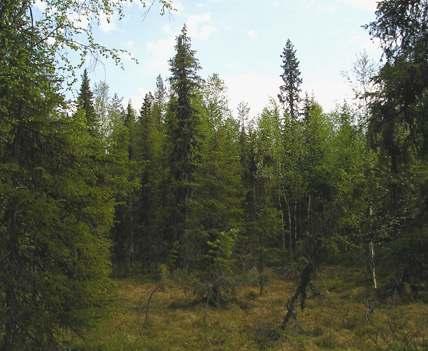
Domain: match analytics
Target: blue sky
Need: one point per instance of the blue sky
(242, 41)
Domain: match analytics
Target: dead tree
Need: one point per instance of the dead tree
(299, 295)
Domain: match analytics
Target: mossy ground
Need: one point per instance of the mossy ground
(334, 320)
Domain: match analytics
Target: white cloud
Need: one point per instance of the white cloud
(166, 28)
(200, 26)
(254, 88)
(258, 88)
(137, 99)
(178, 6)
(328, 92)
(362, 41)
(159, 52)
(130, 44)
(252, 34)
(276, 4)
(332, 6)
(80, 20)
(369, 5)
(313, 4)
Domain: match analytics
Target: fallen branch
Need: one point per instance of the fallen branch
(146, 307)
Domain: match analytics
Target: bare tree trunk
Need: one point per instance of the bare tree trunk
(283, 231)
(295, 225)
(281, 206)
(290, 231)
(372, 253)
(146, 307)
(372, 264)
(299, 295)
(131, 237)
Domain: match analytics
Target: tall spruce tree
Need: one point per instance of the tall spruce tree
(148, 204)
(289, 94)
(85, 103)
(183, 121)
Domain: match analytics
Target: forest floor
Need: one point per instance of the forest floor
(334, 320)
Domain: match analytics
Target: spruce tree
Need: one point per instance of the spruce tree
(289, 94)
(216, 201)
(183, 121)
(161, 91)
(124, 183)
(85, 103)
(54, 213)
(398, 131)
(147, 205)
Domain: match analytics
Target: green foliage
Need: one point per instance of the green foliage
(123, 173)
(85, 105)
(182, 124)
(60, 28)
(55, 217)
(397, 131)
(187, 193)
(218, 282)
(290, 90)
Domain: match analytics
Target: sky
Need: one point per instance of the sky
(241, 40)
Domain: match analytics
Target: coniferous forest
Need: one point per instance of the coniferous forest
(184, 225)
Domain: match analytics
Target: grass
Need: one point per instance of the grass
(334, 320)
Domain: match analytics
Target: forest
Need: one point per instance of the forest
(185, 225)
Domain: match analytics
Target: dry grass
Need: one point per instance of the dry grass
(335, 320)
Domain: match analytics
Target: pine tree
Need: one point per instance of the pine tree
(289, 94)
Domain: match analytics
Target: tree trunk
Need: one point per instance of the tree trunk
(295, 226)
(11, 324)
(290, 231)
(372, 254)
(300, 294)
(372, 264)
